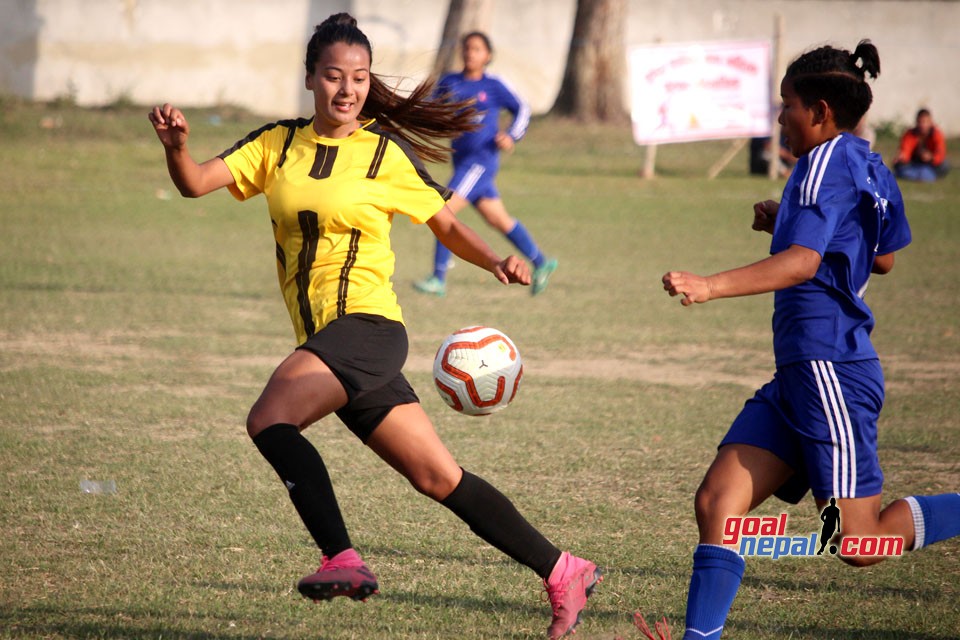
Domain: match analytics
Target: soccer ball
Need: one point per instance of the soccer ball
(477, 370)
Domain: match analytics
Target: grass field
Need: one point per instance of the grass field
(137, 327)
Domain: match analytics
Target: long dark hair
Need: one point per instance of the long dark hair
(420, 118)
(837, 77)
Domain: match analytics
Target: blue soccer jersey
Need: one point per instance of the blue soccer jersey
(490, 95)
(842, 202)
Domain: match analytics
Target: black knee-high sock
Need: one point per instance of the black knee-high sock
(492, 516)
(301, 468)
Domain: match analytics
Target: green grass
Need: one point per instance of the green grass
(137, 327)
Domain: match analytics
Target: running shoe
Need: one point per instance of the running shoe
(344, 574)
(570, 583)
(541, 276)
(433, 286)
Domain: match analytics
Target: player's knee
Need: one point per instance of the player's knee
(501, 222)
(256, 422)
(265, 413)
(494, 223)
(711, 504)
(253, 427)
(702, 503)
(436, 486)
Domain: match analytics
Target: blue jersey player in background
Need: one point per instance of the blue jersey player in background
(814, 426)
(476, 160)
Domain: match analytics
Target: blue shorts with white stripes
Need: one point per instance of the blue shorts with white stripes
(820, 418)
(473, 177)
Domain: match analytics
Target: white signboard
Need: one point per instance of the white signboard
(700, 91)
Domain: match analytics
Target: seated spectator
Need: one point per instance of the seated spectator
(923, 151)
(760, 155)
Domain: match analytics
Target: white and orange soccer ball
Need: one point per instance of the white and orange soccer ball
(477, 370)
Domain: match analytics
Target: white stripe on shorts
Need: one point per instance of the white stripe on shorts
(469, 181)
(841, 430)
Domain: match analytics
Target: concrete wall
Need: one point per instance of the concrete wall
(250, 52)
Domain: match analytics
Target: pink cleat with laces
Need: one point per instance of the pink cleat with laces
(570, 583)
(344, 574)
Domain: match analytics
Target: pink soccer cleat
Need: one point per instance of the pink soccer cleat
(344, 574)
(570, 583)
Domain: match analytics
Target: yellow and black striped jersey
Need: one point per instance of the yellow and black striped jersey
(332, 202)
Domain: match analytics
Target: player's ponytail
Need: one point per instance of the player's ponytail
(420, 118)
(866, 58)
(837, 77)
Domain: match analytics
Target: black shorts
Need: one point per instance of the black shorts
(366, 352)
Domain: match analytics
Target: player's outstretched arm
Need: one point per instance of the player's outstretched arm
(191, 179)
(466, 244)
(790, 267)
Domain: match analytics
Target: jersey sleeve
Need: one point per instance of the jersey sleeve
(517, 106)
(410, 190)
(814, 222)
(895, 231)
(248, 161)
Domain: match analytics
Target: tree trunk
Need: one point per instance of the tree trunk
(463, 16)
(595, 75)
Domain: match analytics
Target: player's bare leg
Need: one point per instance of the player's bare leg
(863, 517)
(407, 441)
(496, 215)
(740, 478)
(301, 391)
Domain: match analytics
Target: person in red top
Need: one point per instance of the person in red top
(923, 151)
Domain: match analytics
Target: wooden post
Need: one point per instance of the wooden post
(727, 156)
(649, 161)
(773, 170)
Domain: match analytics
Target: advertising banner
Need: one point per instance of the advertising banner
(700, 91)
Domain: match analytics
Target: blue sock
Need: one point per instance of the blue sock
(524, 242)
(441, 260)
(935, 518)
(717, 572)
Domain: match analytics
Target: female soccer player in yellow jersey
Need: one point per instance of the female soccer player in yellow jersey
(333, 183)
